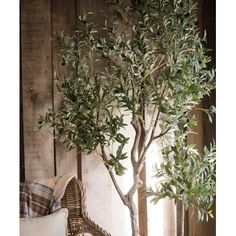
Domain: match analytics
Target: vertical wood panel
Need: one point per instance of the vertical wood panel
(179, 220)
(206, 22)
(98, 19)
(22, 152)
(142, 200)
(142, 205)
(22, 158)
(37, 86)
(63, 19)
(208, 15)
(195, 227)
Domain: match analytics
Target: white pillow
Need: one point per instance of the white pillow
(51, 225)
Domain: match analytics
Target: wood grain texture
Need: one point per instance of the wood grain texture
(99, 8)
(207, 17)
(64, 16)
(98, 19)
(142, 205)
(37, 86)
(178, 220)
(142, 198)
(197, 139)
(22, 152)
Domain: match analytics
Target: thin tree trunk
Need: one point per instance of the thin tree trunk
(134, 218)
(182, 214)
(126, 199)
(132, 207)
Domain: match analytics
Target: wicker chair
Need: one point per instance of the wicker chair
(78, 219)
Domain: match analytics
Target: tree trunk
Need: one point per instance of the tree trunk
(182, 214)
(133, 217)
(127, 199)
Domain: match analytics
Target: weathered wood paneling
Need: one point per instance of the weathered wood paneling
(37, 86)
(63, 19)
(22, 160)
(142, 205)
(142, 202)
(194, 226)
(207, 129)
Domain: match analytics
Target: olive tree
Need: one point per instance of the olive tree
(152, 59)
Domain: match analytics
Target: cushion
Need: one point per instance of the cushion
(51, 225)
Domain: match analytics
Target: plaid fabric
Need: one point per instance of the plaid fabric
(36, 200)
(43, 196)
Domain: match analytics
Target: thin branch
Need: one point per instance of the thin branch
(133, 90)
(117, 187)
(142, 157)
(152, 120)
(136, 125)
(153, 123)
(157, 67)
(157, 118)
(161, 134)
(136, 184)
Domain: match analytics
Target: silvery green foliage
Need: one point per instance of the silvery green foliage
(152, 56)
(187, 176)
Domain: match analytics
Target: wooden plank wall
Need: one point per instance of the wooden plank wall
(41, 155)
(206, 130)
(64, 17)
(36, 61)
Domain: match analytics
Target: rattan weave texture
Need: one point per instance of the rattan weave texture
(78, 220)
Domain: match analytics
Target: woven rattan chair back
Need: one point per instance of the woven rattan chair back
(78, 220)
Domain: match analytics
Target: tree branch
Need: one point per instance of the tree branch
(161, 134)
(117, 187)
(152, 128)
(136, 184)
(134, 151)
(142, 157)
(143, 154)
(152, 122)
(157, 67)
(138, 125)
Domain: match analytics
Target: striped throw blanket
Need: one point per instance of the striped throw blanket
(42, 197)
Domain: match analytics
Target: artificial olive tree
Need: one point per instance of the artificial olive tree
(147, 57)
